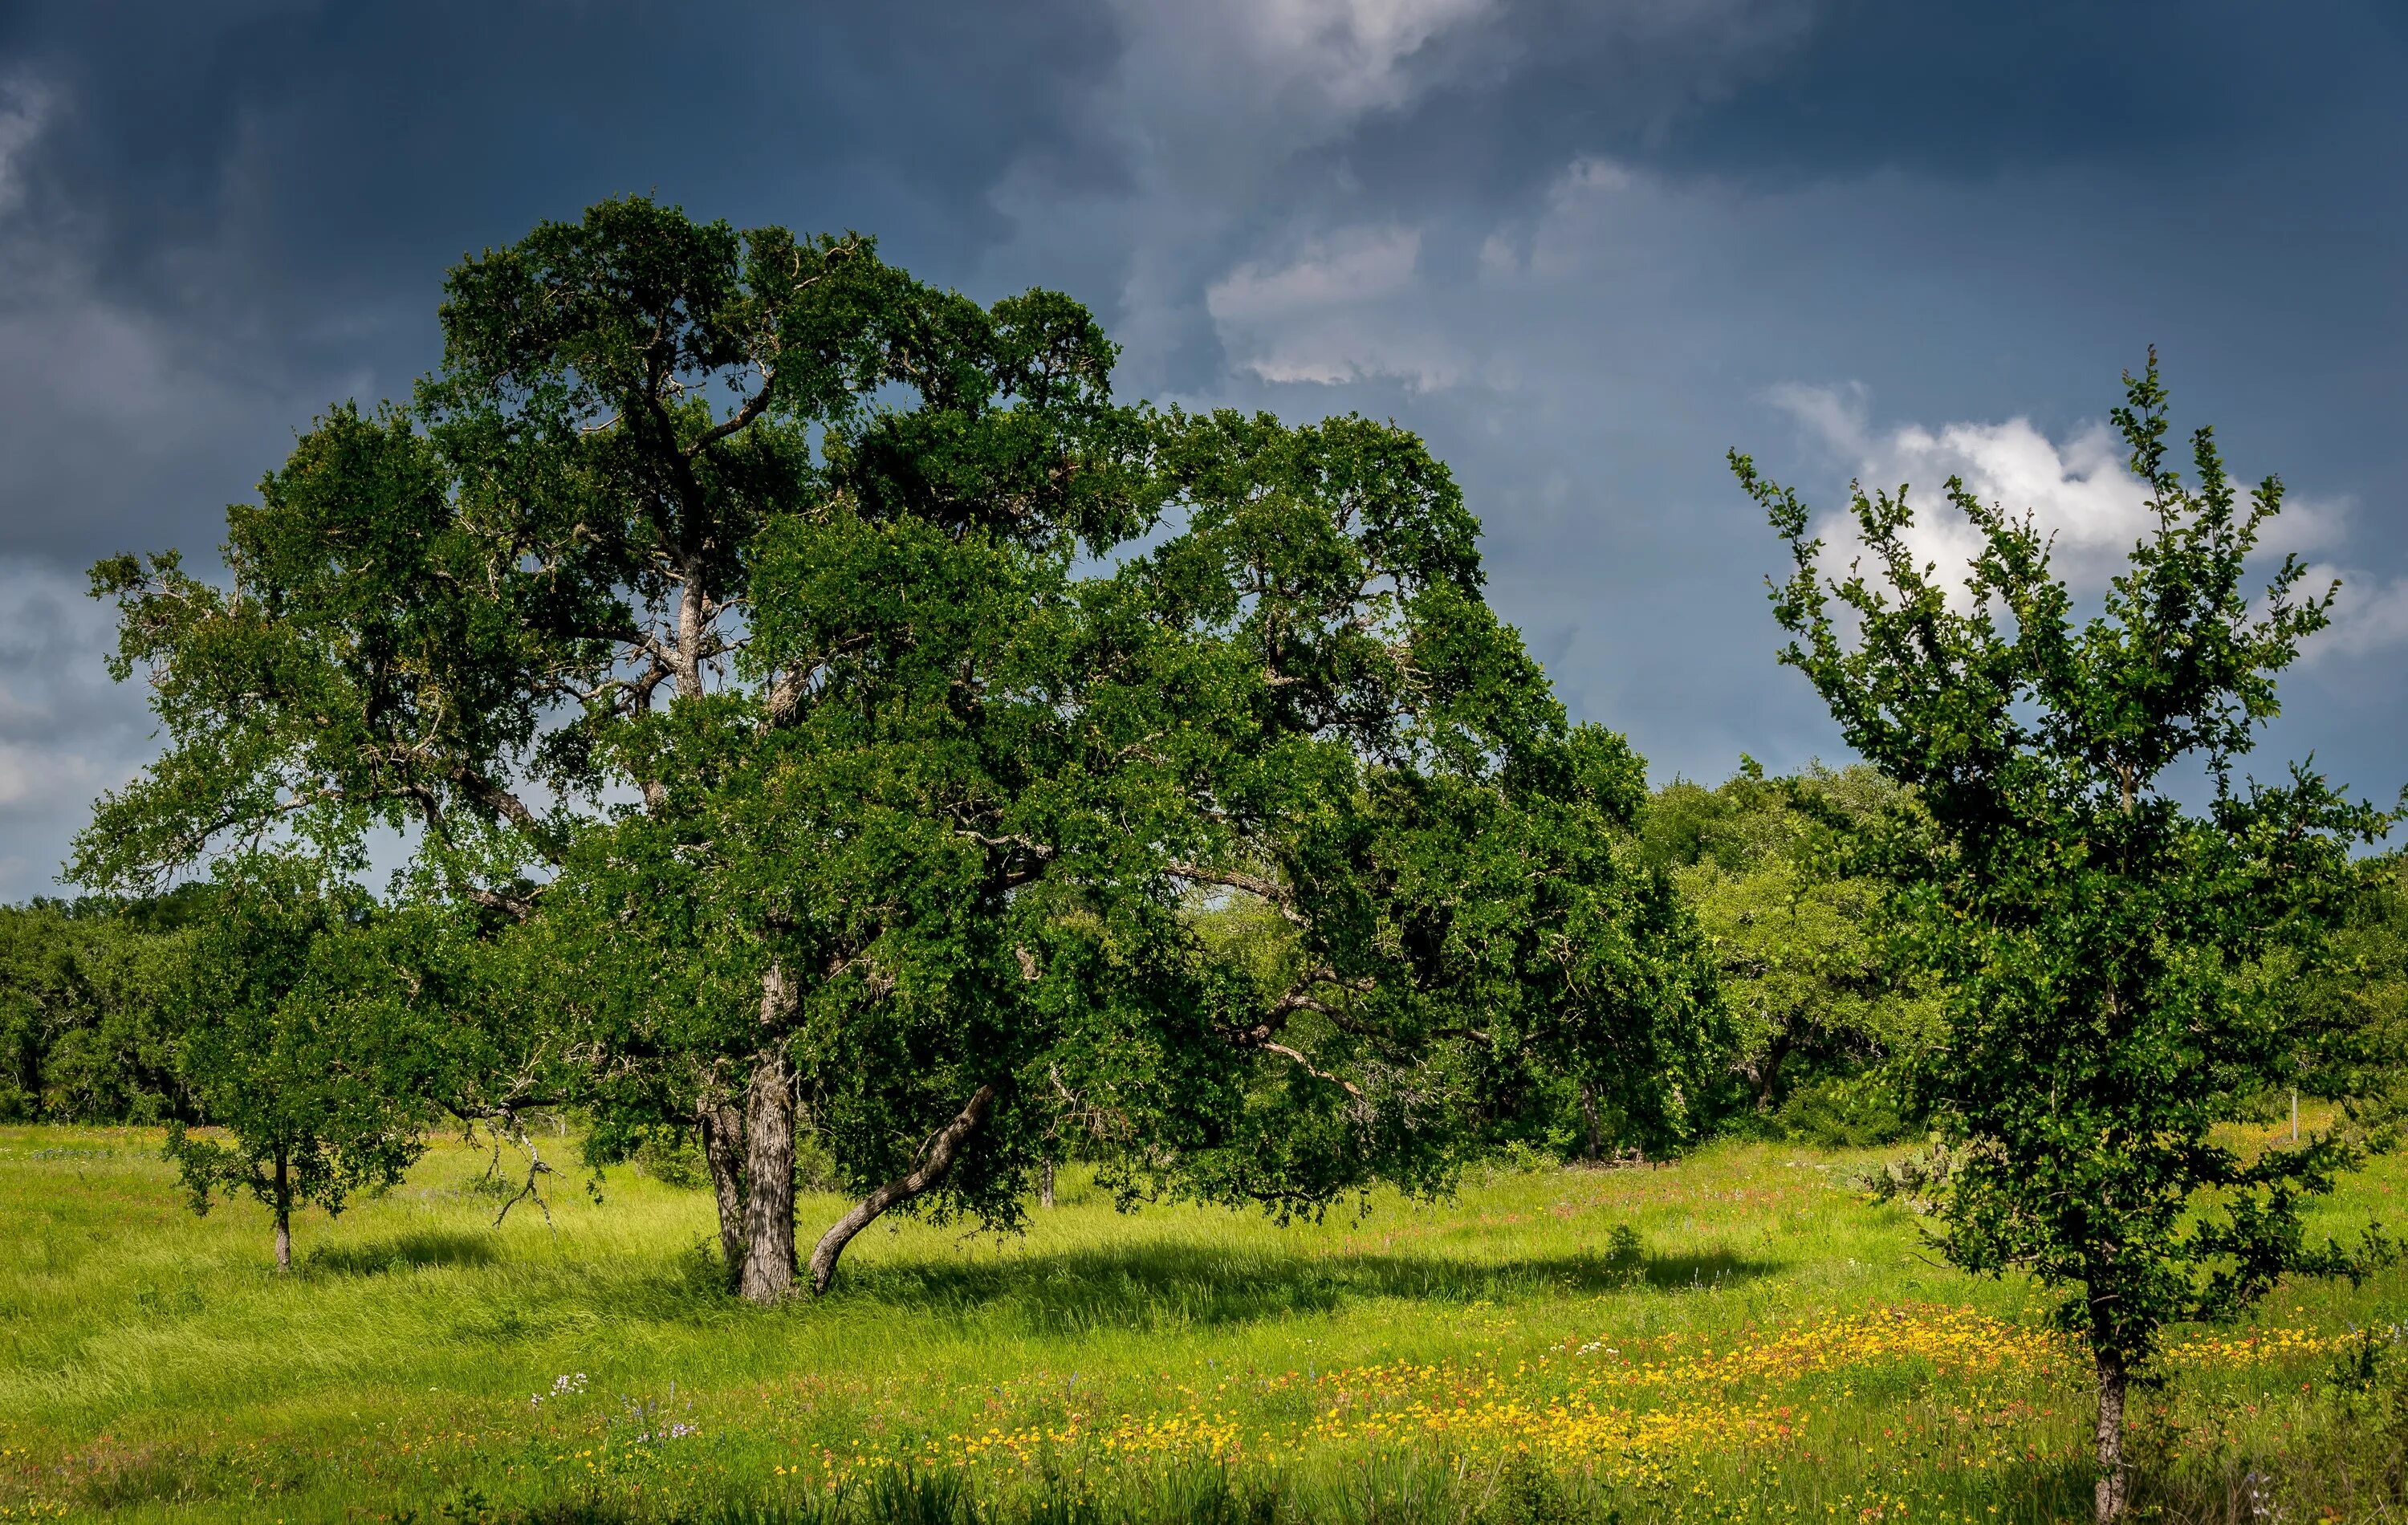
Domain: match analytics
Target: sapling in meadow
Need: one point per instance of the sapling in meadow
(302, 1045)
(2107, 953)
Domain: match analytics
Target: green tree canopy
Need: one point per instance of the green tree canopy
(2107, 954)
(310, 1028)
(84, 1036)
(1819, 1015)
(2353, 1004)
(834, 703)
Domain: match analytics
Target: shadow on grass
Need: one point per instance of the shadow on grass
(1157, 1286)
(406, 1252)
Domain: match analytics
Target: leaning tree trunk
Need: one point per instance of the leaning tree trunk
(722, 1129)
(767, 1274)
(937, 1158)
(2114, 1478)
(283, 1214)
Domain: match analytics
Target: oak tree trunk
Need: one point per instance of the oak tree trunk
(1045, 1185)
(722, 1129)
(1768, 1074)
(1588, 1116)
(2113, 1477)
(767, 1274)
(284, 1214)
(937, 1158)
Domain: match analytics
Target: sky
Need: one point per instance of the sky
(1583, 247)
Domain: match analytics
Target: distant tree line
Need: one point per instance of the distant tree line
(86, 1033)
(1820, 1012)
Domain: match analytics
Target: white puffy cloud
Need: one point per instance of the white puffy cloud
(2081, 494)
(2078, 491)
(2369, 614)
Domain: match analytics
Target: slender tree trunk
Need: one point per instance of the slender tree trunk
(1768, 1074)
(284, 1214)
(722, 1129)
(1045, 1185)
(2114, 1480)
(937, 1158)
(767, 1272)
(1596, 1145)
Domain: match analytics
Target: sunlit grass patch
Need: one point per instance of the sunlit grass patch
(1736, 1336)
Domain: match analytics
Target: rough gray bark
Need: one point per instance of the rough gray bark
(1588, 1114)
(2115, 1477)
(937, 1158)
(284, 1214)
(722, 1129)
(768, 1272)
(1045, 1186)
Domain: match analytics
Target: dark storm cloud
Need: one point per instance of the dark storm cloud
(262, 199)
(1978, 217)
(341, 148)
(1582, 245)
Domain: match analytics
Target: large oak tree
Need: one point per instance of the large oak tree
(838, 707)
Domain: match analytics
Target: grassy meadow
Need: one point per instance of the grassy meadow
(1740, 1335)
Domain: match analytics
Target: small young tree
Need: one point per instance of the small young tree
(300, 1045)
(2103, 950)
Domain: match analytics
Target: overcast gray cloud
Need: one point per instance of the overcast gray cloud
(1583, 247)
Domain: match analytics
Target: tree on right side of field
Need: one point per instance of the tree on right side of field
(2105, 953)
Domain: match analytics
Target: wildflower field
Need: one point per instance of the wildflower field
(1741, 1335)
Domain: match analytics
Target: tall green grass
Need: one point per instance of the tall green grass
(422, 1361)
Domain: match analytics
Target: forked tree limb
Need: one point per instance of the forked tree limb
(1270, 891)
(1307, 1066)
(937, 1157)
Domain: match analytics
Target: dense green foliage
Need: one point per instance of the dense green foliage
(2115, 967)
(819, 705)
(2353, 1004)
(83, 1036)
(1822, 1021)
(311, 1033)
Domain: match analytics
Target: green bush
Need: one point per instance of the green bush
(1845, 1112)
